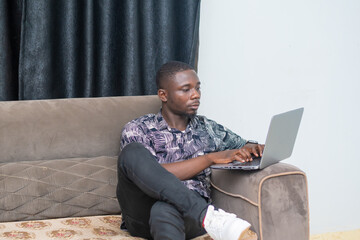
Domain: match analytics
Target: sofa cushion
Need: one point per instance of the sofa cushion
(58, 188)
(83, 228)
(67, 128)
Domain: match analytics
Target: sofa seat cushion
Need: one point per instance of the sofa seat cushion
(79, 228)
(33, 190)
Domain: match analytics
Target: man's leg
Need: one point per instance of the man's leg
(155, 183)
(167, 223)
(135, 206)
(143, 179)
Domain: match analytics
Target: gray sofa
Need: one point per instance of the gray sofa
(58, 160)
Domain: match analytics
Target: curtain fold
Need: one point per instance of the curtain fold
(92, 48)
(10, 26)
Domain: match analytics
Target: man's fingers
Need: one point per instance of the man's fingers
(246, 155)
(261, 149)
(239, 158)
(256, 151)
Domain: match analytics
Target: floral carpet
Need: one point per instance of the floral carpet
(81, 228)
(348, 235)
(102, 228)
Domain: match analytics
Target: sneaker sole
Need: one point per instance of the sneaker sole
(247, 234)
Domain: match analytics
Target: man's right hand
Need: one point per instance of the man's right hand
(242, 155)
(226, 156)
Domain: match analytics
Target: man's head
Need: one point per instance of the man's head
(168, 70)
(178, 88)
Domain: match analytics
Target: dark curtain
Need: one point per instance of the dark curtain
(92, 48)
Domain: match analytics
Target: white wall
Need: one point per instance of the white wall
(260, 57)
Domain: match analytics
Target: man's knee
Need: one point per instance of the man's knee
(131, 153)
(132, 148)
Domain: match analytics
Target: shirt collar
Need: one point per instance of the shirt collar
(160, 121)
(162, 124)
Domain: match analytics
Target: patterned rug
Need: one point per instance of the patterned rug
(102, 228)
(348, 235)
(82, 228)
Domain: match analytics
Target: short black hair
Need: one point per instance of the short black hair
(168, 70)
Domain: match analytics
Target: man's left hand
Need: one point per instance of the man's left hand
(250, 150)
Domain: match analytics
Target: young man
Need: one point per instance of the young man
(163, 169)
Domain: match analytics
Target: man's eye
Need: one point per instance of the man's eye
(186, 89)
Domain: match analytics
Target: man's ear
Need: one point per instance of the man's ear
(162, 95)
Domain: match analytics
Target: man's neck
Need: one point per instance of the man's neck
(178, 122)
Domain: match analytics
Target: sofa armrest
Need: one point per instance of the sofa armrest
(274, 200)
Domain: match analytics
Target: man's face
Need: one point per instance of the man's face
(183, 93)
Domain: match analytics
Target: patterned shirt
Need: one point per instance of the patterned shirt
(170, 145)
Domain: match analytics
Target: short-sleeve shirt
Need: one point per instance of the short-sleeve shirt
(168, 145)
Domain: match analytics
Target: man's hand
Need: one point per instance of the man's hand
(243, 154)
(252, 149)
(187, 169)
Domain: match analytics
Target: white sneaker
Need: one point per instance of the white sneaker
(221, 225)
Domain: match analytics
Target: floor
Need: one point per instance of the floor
(348, 235)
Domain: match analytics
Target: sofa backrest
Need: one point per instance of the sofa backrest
(67, 128)
(58, 158)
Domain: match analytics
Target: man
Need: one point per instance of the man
(163, 168)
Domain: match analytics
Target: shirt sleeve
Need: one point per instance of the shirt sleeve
(135, 133)
(224, 138)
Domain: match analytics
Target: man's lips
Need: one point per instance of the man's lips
(195, 105)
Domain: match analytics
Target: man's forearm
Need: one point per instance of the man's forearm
(188, 168)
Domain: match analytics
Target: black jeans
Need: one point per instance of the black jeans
(154, 203)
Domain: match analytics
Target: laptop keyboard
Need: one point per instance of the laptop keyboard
(254, 162)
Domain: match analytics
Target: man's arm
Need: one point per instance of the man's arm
(189, 168)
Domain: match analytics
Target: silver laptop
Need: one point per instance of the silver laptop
(279, 142)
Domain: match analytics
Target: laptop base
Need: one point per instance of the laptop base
(253, 165)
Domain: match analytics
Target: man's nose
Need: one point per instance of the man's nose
(195, 94)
